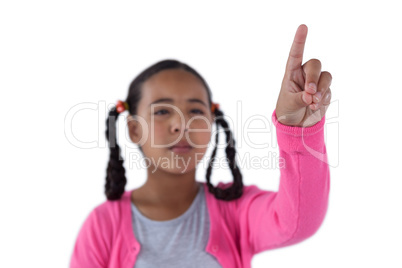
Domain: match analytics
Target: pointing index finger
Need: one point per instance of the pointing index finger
(296, 52)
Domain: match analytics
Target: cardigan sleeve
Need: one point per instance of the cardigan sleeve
(296, 211)
(91, 248)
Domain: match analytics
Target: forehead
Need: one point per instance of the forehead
(175, 84)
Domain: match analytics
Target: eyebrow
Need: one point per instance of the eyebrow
(171, 100)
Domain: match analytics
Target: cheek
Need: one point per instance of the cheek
(158, 129)
(200, 134)
(202, 124)
(153, 133)
(158, 133)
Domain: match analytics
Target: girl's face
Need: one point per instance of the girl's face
(172, 100)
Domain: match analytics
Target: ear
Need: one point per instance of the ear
(134, 129)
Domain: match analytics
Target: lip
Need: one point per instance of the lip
(181, 149)
(182, 143)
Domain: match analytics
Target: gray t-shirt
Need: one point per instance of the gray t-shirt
(175, 243)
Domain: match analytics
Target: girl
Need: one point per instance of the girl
(175, 221)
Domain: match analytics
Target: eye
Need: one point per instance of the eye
(164, 111)
(158, 112)
(199, 111)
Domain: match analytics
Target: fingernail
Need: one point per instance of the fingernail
(317, 96)
(327, 97)
(304, 98)
(313, 87)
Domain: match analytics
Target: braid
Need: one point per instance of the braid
(236, 189)
(115, 172)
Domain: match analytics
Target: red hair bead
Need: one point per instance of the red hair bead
(121, 106)
(214, 107)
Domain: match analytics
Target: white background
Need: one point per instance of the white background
(55, 55)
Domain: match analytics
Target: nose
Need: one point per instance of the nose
(178, 125)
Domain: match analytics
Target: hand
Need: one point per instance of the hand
(297, 103)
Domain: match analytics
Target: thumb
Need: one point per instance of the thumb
(303, 99)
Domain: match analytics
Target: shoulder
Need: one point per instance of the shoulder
(99, 233)
(253, 201)
(250, 192)
(111, 212)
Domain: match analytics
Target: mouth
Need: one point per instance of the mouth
(181, 149)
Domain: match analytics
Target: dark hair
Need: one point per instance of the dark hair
(115, 172)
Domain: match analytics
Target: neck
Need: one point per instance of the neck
(169, 189)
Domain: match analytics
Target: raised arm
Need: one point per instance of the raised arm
(295, 212)
(297, 209)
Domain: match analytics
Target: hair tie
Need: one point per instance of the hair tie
(121, 106)
(214, 106)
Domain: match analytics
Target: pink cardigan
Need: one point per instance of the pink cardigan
(260, 220)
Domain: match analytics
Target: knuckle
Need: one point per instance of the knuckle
(316, 62)
(313, 68)
(325, 81)
(327, 74)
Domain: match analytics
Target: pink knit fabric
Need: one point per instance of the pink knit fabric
(260, 220)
